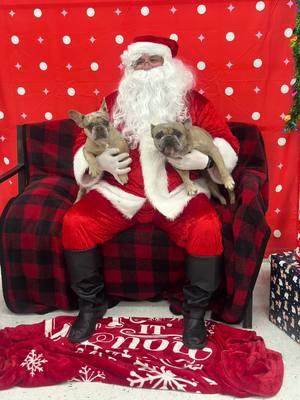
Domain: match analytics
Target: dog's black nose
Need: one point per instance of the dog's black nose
(99, 132)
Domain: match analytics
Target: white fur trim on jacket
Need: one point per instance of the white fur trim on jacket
(128, 204)
(135, 50)
(80, 167)
(169, 204)
(229, 155)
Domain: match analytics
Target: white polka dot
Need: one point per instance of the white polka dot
(6, 161)
(1, 114)
(94, 66)
(293, 81)
(277, 233)
(145, 11)
(119, 39)
(43, 66)
(21, 91)
(255, 116)
(15, 39)
(201, 65)
(90, 12)
(71, 91)
(284, 89)
(281, 141)
(37, 12)
(230, 36)
(229, 91)
(201, 9)
(257, 63)
(288, 32)
(278, 188)
(66, 39)
(260, 5)
(174, 36)
(48, 115)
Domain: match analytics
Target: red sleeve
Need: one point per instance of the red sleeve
(205, 116)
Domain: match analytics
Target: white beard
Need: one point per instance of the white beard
(151, 97)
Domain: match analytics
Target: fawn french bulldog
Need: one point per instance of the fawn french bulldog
(175, 139)
(100, 136)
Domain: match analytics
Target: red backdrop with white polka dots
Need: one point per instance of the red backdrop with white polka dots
(57, 55)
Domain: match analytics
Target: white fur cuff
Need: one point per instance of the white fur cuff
(128, 204)
(230, 159)
(80, 167)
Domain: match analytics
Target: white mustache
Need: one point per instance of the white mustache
(155, 74)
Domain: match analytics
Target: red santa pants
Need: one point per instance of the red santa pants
(93, 221)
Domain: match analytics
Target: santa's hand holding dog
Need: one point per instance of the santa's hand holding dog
(156, 87)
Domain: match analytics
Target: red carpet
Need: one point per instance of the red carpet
(143, 353)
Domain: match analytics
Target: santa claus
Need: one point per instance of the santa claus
(155, 88)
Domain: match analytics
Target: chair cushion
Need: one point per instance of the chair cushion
(142, 262)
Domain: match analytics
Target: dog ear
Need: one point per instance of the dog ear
(187, 123)
(103, 107)
(152, 128)
(77, 117)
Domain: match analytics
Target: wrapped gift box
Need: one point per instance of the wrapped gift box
(285, 293)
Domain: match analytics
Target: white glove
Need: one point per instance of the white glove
(193, 160)
(114, 162)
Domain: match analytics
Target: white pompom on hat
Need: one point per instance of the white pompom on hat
(153, 45)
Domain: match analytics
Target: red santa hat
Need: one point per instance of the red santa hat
(165, 47)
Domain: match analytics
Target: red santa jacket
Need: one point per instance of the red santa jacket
(150, 177)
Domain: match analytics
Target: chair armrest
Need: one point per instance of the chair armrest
(11, 172)
(250, 176)
(252, 186)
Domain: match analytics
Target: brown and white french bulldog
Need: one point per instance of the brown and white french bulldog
(100, 136)
(176, 139)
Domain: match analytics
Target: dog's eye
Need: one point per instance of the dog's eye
(159, 135)
(177, 133)
(89, 127)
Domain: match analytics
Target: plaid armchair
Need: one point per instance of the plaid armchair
(140, 263)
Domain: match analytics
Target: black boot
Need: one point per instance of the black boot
(86, 277)
(202, 279)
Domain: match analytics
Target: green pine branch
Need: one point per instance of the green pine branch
(292, 119)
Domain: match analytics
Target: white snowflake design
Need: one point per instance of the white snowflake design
(165, 379)
(33, 362)
(86, 374)
(183, 364)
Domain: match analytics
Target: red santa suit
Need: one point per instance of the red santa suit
(154, 193)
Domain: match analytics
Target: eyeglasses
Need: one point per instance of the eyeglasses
(153, 60)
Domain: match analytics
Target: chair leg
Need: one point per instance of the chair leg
(247, 321)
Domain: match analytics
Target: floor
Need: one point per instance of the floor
(274, 338)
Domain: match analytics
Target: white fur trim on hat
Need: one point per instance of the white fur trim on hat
(135, 50)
